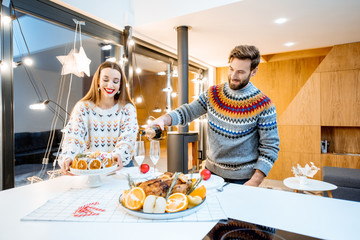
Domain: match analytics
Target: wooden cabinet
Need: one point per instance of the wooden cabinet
(340, 98)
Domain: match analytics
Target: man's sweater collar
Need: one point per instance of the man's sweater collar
(241, 91)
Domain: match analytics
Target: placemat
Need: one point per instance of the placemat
(102, 205)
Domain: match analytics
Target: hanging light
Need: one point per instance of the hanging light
(3, 65)
(131, 42)
(138, 70)
(173, 94)
(28, 61)
(42, 105)
(161, 73)
(168, 89)
(38, 106)
(139, 99)
(175, 73)
(6, 19)
(157, 110)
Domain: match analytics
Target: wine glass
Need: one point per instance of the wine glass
(154, 153)
(139, 153)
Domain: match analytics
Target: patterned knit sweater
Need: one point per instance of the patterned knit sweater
(91, 128)
(242, 129)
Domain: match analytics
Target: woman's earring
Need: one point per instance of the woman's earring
(118, 92)
(98, 89)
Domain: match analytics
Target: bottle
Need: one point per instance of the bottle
(153, 132)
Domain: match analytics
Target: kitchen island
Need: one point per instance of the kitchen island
(309, 215)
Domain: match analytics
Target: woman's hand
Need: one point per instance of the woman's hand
(118, 160)
(65, 167)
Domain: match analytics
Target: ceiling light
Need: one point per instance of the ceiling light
(281, 20)
(28, 61)
(289, 44)
(138, 70)
(161, 73)
(139, 99)
(168, 89)
(111, 59)
(106, 47)
(157, 110)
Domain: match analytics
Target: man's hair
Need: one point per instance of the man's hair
(243, 52)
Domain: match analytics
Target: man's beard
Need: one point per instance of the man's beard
(243, 83)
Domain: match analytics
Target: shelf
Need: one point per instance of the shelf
(343, 154)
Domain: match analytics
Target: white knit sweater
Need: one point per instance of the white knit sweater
(91, 128)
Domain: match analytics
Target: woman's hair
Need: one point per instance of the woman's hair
(94, 95)
(243, 52)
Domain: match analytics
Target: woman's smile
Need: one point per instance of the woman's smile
(109, 90)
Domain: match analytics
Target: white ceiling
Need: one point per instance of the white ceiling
(219, 25)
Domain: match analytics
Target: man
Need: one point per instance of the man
(242, 128)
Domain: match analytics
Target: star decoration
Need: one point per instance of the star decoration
(83, 62)
(75, 63)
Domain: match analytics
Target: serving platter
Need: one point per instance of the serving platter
(80, 172)
(212, 183)
(93, 179)
(161, 216)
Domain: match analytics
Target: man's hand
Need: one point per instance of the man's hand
(164, 120)
(256, 179)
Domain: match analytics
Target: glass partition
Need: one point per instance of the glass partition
(37, 78)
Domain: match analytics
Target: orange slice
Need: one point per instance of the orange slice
(97, 153)
(122, 199)
(200, 191)
(107, 162)
(135, 198)
(176, 202)
(95, 164)
(74, 164)
(82, 165)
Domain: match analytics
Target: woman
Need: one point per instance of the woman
(104, 120)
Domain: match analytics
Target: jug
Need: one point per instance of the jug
(324, 146)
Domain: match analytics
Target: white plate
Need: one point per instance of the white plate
(136, 174)
(93, 172)
(161, 216)
(213, 182)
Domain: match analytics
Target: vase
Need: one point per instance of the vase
(302, 180)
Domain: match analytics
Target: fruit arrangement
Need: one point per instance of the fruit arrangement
(170, 192)
(92, 161)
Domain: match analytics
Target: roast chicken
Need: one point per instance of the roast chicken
(160, 186)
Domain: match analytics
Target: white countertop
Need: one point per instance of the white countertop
(315, 216)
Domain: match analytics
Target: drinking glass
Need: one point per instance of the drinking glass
(154, 153)
(139, 153)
